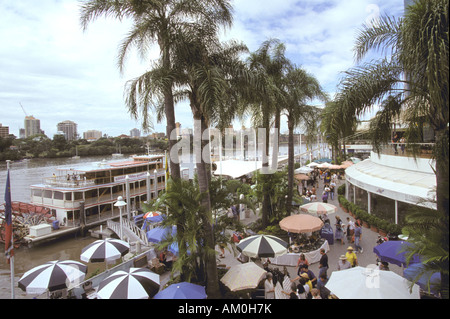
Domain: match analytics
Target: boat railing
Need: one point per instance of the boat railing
(61, 181)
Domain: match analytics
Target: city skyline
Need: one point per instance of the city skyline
(55, 71)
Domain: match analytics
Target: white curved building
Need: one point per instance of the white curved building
(387, 185)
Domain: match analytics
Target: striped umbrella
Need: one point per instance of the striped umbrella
(136, 283)
(151, 214)
(51, 276)
(107, 250)
(319, 208)
(262, 246)
(243, 276)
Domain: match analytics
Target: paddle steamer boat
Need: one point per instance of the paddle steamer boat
(85, 194)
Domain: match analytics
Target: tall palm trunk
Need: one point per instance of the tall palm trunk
(442, 183)
(266, 176)
(275, 145)
(169, 108)
(291, 161)
(212, 279)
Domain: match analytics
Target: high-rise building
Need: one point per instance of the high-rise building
(69, 129)
(178, 129)
(32, 126)
(92, 135)
(4, 130)
(135, 133)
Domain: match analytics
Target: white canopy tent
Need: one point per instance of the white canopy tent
(394, 183)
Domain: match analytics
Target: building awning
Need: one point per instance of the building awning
(412, 187)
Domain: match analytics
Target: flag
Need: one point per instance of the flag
(167, 170)
(9, 248)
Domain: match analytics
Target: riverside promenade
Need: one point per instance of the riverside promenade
(368, 242)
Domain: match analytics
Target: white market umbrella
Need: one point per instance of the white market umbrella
(243, 276)
(324, 165)
(104, 250)
(136, 283)
(370, 283)
(303, 170)
(319, 208)
(262, 246)
(51, 276)
(313, 164)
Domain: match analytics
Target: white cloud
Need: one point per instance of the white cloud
(58, 72)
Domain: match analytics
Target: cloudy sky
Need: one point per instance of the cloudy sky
(58, 72)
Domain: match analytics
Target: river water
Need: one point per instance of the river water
(29, 172)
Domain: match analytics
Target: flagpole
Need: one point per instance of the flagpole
(11, 258)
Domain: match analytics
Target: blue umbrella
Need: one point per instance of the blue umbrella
(393, 251)
(159, 234)
(182, 290)
(152, 219)
(173, 248)
(414, 270)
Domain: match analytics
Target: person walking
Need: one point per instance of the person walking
(394, 143)
(339, 235)
(351, 257)
(350, 230)
(325, 197)
(323, 263)
(358, 233)
(269, 290)
(343, 263)
(302, 261)
(301, 292)
(332, 188)
(402, 145)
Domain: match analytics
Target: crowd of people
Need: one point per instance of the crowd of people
(329, 189)
(307, 284)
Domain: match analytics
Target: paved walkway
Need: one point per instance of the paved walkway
(368, 241)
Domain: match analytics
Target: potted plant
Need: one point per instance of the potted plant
(374, 223)
(383, 226)
(394, 230)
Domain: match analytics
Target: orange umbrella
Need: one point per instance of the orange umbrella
(301, 223)
(319, 208)
(302, 177)
(346, 164)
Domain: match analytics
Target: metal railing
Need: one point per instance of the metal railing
(129, 229)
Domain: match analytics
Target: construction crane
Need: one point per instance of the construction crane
(23, 109)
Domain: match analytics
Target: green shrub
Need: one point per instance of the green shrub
(341, 190)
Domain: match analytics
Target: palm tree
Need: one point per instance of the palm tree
(337, 125)
(299, 88)
(268, 65)
(156, 21)
(412, 81)
(206, 71)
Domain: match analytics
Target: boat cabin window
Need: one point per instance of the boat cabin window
(47, 194)
(37, 192)
(58, 195)
(68, 196)
(78, 195)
